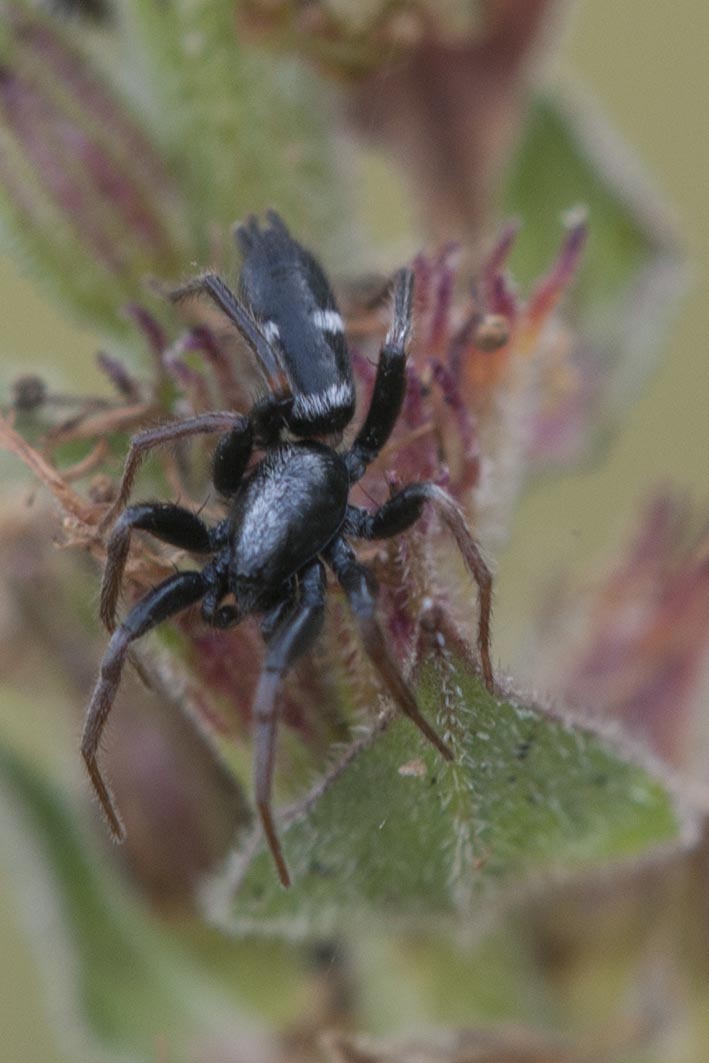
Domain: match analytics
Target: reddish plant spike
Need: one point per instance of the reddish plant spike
(547, 293)
(445, 272)
(500, 251)
(202, 340)
(119, 376)
(501, 299)
(423, 272)
(150, 327)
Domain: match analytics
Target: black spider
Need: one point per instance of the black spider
(289, 517)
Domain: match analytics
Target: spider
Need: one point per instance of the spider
(288, 517)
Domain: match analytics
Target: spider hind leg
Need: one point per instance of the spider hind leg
(163, 435)
(356, 582)
(289, 634)
(170, 597)
(167, 522)
(404, 509)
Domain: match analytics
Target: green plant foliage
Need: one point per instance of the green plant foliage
(124, 978)
(245, 132)
(400, 835)
(121, 978)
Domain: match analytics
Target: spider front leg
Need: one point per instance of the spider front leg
(357, 583)
(389, 385)
(170, 597)
(140, 444)
(171, 523)
(403, 510)
(292, 635)
(273, 411)
(168, 523)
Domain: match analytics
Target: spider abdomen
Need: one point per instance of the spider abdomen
(291, 297)
(287, 511)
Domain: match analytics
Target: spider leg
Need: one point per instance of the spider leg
(168, 598)
(212, 285)
(168, 523)
(289, 638)
(403, 510)
(231, 456)
(389, 385)
(358, 584)
(234, 423)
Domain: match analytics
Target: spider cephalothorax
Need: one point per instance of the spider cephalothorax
(289, 519)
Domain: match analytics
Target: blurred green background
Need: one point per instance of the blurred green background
(646, 66)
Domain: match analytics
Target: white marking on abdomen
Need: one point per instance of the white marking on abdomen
(328, 320)
(320, 403)
(270, 330)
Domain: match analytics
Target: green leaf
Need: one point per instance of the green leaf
(399, 834)
(631, 274)
(121, 979)
(246, 129)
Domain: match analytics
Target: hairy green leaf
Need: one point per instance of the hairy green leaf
(397, 833)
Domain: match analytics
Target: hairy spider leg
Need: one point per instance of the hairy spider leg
(140, 444)
(167, 522)
(389, 385)
(231, 456)
(292, 635)
(404, 509)
(171, 523)
(212, 285)
(170, 597)
(357, 582)
(400, 512)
